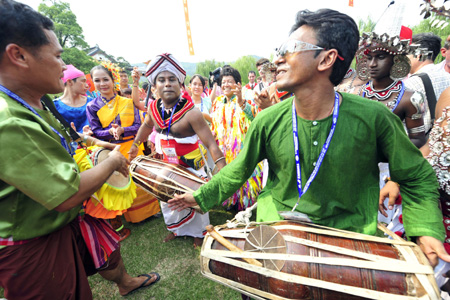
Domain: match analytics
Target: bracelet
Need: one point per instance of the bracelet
(135, 86)
(243, 105)
(219, 159)
(85, 137)
(137, 144)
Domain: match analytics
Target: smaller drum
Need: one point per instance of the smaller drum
(163, 179)
(317, 262)
(115, 195)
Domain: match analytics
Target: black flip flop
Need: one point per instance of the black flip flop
(143, 285)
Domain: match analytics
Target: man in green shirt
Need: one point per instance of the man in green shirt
(341, 139)
(42, 252)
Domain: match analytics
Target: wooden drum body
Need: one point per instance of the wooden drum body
(322, 263)
(163, 179)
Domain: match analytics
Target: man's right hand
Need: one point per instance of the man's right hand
(132, 153)
(120, 160)
(180, 202)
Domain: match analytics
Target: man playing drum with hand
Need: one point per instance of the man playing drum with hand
(43, 251)
(179, 125)
(324, 147)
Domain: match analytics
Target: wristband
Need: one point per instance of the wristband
(137, 144)
(219, 159)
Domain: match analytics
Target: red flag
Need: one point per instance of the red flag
(350, 3)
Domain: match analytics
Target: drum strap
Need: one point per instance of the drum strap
(49, 104)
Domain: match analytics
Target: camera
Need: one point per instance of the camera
(214, 77)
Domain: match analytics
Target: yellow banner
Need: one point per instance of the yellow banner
(188, 28)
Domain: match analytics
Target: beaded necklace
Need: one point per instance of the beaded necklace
(381, 95)
(109, 102)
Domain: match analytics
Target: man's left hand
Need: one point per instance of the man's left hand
(433, 249)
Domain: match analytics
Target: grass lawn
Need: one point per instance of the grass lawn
(177, 261)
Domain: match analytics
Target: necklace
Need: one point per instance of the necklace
(396, 87)
(109, 102)
(383, 94)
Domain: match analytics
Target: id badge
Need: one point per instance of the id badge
(170, 155)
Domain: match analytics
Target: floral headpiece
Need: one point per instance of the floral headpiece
(115, 70)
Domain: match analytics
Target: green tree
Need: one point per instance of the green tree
(69, 33)
(78, 58)
(203, 68)
(124, 64)
(245, 64)
(366, 25)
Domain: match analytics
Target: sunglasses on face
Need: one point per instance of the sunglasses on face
(292, 46)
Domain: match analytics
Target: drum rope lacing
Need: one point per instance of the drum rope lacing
(243, 218)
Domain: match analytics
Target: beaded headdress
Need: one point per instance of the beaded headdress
(395, 45)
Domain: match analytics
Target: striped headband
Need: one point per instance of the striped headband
(165, 62)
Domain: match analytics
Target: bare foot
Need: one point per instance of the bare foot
(198, 242)
(141, 281)
(169, 237)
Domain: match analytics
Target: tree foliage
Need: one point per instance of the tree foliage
(78, 58)
(203, 68)
(366, 25)
(69, 33)
(124, 64)
(245, 64)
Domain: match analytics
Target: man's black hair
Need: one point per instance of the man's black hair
(21, 25)
(334, 30)
(251, 72)
(230, 71)
(429, 41)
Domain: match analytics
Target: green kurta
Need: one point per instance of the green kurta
(346, 190)
(36, 173)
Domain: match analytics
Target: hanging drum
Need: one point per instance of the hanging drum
(297, 260)
(162, 179)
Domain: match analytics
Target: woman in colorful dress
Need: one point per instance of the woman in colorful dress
(114, 119)
(231, 116)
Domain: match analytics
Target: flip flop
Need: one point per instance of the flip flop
(143, 285)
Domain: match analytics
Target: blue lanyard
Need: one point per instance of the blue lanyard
(171, 116)
(201, 105)
(26, 105)
(399, 97)
(313, 175)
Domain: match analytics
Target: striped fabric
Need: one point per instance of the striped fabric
(100, 238)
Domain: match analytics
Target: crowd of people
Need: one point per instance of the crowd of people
(301, 138)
